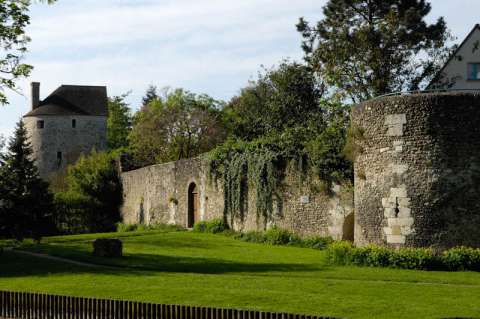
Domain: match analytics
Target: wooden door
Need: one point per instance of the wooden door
(196, 207)
(193, 205)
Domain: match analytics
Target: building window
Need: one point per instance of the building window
(474, 71)
(59, 159)
(74, 123)
(40, 124)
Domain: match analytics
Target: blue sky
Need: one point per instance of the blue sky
(205, 46)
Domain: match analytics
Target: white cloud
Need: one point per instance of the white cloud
(206, 46)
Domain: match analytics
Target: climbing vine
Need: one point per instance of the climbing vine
(259, 168)
(262, 166)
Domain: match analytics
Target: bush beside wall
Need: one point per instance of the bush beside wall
(213, 226)
(458, 258)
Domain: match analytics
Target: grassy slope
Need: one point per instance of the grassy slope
(189, 268)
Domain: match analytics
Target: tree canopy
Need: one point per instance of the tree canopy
(150, 95)
(14, 19)
(365, 48)
(179, 125)
(94, 195)
(119, 122)
(26, 207)
(281, 97)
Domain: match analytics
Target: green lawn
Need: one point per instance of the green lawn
(213, 270)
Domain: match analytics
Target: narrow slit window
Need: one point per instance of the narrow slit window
(40, 124)
(74, 123)
(59, 158)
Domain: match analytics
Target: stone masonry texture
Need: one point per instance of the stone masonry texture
(58, 136)
(417, 170)
(159, 194)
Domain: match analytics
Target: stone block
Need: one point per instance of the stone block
(389, 212)
(408, 221)
(395, 239)
(404, 212)
(400, 221)
(398, 143)
(395, 130)
(396, 230)
(404, 201)
(392, 119)
(399, 168)
(386, 202)
(398, 192)
(392, 221)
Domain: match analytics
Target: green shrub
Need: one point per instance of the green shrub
(122, 228)
(462, 258)
(230, 233)
(142, 227)
(166, 227)
(200, 227)
(317, 242)
(278, 236)
(213, 226)
(340, 252)
(251, 237)
(75, 213)
(360, 255)
(377, 256)
(414, 258)
(216, 226)
(93, 197)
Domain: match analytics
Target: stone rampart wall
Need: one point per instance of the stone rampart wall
(159, 194)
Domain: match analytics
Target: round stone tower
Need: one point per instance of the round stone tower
(70, 121)
(417, 170)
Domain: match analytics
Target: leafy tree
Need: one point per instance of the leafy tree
(92, 202)
(26, 204)
(280, 98)
(119, 123)
(14, 19)
(179, 125)
(279, 121)
(150, 95)
(365, 48)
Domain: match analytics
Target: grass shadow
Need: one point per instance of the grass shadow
(17, 265)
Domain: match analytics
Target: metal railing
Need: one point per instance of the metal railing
(24, 305)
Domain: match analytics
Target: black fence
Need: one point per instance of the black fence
(24, 305)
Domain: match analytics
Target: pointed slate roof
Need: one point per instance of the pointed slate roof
(74, 100)
(440, 72)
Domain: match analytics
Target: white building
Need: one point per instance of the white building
(462, 70)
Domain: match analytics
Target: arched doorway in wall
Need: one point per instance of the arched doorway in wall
(348, 227)
(193, 205)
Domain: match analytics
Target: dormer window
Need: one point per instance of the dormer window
(74, 123)
(40, 125)
(474, 71)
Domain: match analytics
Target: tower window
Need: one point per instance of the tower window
(59, 159)
(74, 123)
(40, 124)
